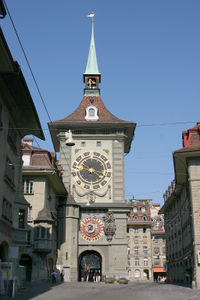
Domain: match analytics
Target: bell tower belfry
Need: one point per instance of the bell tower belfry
(92, 77)
(93, 173)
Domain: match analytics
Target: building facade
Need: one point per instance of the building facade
(44, 191)
(158, 243)
(181, 210)
(18, 117)
(139, 240)
(93, 172)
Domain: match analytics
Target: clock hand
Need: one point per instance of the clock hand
(80, 168)
(101, 172)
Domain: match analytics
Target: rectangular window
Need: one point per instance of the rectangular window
(137, 261)
(83, 144)
(48, 233)
(136, 239)
(145, 249)
(28, 186)
(21, 218)
(38, 232)
(144, 239)
(144, 229)
(26, 159)
(42, 232)
(7, 210)
(145, 261)
(136, 250)
(9, 172)
(29, 214)
(98, 143)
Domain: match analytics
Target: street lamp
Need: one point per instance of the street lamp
(69, 141)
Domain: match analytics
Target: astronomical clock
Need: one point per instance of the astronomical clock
(91, 229)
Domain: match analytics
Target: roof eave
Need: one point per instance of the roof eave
(57, 126)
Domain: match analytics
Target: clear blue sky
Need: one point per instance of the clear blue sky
(149, 57)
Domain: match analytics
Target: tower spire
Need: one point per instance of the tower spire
(92, 65)
(92, 77)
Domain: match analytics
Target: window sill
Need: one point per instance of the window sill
(28, 193)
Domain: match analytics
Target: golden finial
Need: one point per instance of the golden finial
(91, 16)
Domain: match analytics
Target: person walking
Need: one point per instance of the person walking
(53, 276)
(62, 274)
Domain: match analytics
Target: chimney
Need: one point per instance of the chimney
(28, 141)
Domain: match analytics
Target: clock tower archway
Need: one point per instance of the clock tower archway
(90, 266)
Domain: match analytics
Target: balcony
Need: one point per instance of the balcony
(42, 245)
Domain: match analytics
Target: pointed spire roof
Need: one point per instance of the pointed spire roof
(92, 65)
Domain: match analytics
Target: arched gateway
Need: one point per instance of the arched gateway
(90, 266)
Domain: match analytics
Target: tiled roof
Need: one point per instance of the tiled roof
(40, 157)
(191, 138)
(104, 115)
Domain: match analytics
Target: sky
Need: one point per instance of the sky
(148, 53)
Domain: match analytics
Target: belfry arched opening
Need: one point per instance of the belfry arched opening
(90, 266)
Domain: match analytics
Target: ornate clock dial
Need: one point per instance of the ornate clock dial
(91, 228)
(91, 170)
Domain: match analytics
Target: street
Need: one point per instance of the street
(99, 291)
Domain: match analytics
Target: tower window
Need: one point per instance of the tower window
(91, 113)
(98, 144)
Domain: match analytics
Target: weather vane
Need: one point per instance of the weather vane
(91, 16)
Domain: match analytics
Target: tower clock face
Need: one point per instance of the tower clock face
(91, 170)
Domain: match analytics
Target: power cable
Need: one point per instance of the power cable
(31, 71)
(141, 125)
(27, 61)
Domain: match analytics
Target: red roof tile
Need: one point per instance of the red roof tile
(191, 138)
(104, 115)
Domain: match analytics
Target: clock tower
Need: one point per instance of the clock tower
(93, 173)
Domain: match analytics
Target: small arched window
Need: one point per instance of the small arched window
(91, 113)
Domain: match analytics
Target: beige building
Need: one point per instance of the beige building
(44, 192)
(181, 210)
(18, 117)
(158, 243)
(139, 241)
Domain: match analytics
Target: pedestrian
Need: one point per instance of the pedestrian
(62, 274)
(53, 276)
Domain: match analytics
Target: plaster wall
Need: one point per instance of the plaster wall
(194, 182)
(37, 199)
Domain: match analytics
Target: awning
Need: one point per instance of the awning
(159, 270)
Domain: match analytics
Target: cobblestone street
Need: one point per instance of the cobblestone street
(100, 291)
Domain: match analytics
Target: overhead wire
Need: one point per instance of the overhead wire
(140, 125)
(32, 74)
